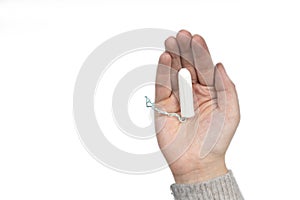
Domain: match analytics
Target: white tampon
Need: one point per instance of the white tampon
(185, 93)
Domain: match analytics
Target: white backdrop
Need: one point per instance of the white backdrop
(43, 45)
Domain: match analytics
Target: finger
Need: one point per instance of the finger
(202, 61)
(163, 80)
(173, 49)
(226, 93)
(184, 39)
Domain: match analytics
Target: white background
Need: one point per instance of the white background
(43, 45)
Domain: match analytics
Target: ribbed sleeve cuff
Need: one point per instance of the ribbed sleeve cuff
(220, 188)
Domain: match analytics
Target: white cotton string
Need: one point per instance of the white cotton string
(153, 106)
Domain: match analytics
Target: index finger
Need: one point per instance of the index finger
(202, 61)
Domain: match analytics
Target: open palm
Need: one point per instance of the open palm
(196, 148)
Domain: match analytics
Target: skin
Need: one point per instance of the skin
(214, 95)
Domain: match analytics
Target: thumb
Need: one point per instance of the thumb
(225, 88)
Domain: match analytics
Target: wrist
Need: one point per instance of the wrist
(203, 173)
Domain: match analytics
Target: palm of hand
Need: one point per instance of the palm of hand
(181, 143)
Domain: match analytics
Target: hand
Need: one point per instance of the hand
(195, 149)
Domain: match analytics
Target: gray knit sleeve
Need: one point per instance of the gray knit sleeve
(220, 188)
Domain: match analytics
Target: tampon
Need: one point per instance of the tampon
(185, 93)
